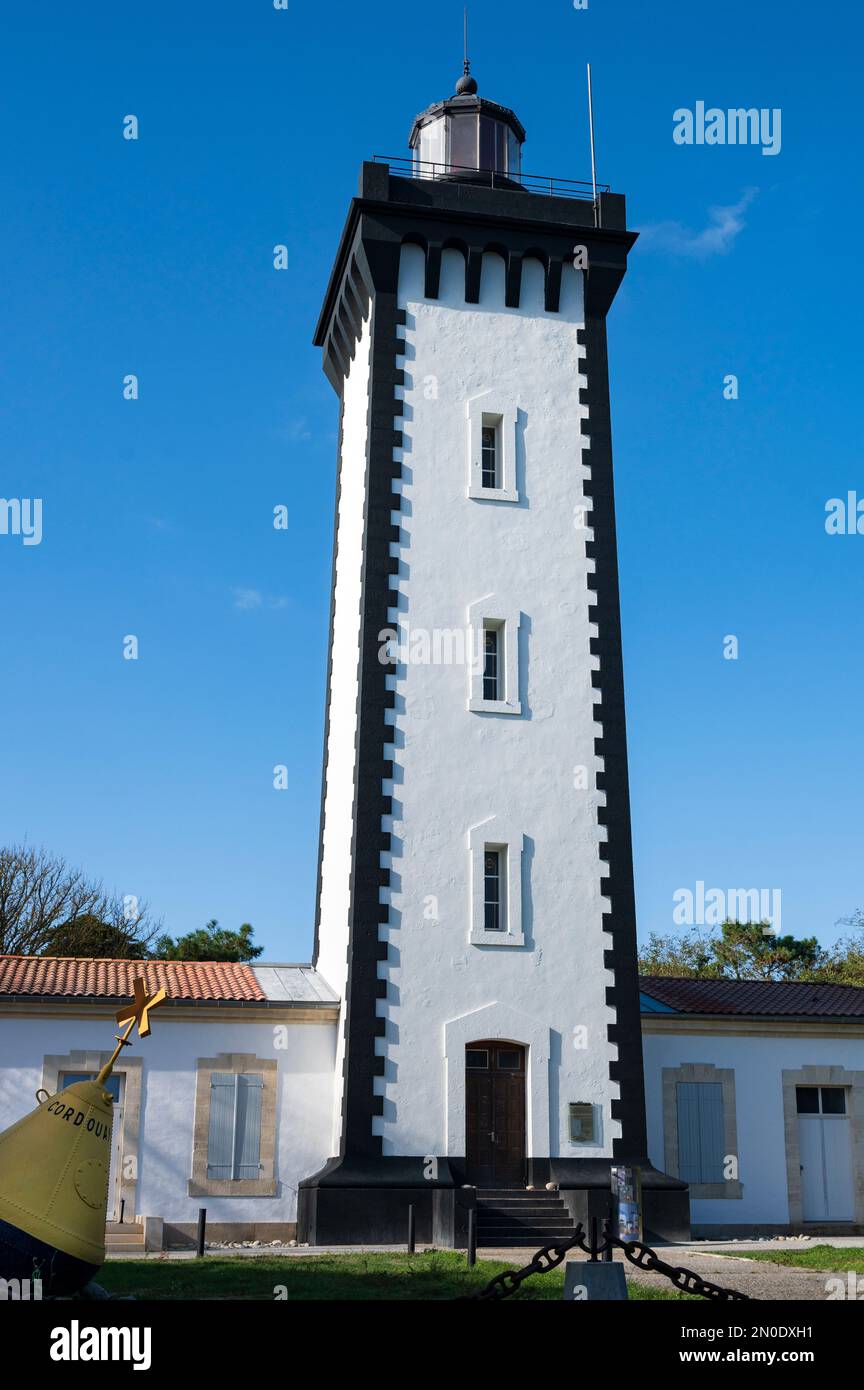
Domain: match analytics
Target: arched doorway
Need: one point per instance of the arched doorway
(495, 1113)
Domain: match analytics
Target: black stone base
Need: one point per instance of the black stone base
(22, 1257)
(365, 1201)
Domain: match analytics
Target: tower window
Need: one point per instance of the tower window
(496, 850)
(493, 888)
(490, 470)
(492, 662)
(493, 667)
(492, 447)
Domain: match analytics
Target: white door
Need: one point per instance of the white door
(116, 1085)
(825, 1143)
(115, 1169)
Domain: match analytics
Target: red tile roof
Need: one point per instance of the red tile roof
(63, 978)
(770, 998)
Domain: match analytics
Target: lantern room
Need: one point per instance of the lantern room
(466, 135)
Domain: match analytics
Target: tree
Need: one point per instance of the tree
(687, 956)
(41, 897)
(845, 959)
(94, 938)
(211, 942)
(742, 951)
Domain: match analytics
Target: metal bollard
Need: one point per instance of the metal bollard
(202, 1226)
(472, 1237)
(412, 1235)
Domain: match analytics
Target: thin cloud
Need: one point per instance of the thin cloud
(717, 239)
(297, 431)
(249, 600)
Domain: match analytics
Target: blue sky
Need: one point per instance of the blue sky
(154, 257)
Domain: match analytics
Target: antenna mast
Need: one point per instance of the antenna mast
(593, 161)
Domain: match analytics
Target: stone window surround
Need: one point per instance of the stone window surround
(823, 1076)
(500, 833)
(490, 406)
(266, 1185)
(491, 609)
(131, 1069)
(731, 1190)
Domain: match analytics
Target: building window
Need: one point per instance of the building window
(701, 1147)
(820, 1100)
(477, 1058)
(493, 881)
(496, 884)
(492, 425)
(234, 1142)
(234, 1139)
(489, 471)
(510, 1059)
(494, 657)
(700, 1129)
(491, 661)
(582, 1130)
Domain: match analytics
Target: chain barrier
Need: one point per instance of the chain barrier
(550, 1256)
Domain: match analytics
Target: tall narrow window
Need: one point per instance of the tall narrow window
(492, 439)
(492, 663)
(490, 469)
(493, 889)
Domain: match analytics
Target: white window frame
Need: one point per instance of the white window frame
(496, 833)
(490, 409)
(491, 611)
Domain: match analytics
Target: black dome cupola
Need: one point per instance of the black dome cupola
(466, 133)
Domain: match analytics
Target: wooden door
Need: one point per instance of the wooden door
(495, 1114)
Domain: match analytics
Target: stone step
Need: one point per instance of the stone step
(507, 1204)
(506, 1238)
(516, 1194)
(539, 1228)
(537, 1224)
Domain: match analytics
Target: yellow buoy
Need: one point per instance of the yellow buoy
(54, 1166)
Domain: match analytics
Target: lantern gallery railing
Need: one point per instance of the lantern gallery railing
(527, 183)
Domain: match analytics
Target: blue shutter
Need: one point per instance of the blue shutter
(700, 1131)
(220, 1143)
(247, 1140)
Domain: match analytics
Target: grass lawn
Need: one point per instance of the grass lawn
(435, 1274)
(827, 1257)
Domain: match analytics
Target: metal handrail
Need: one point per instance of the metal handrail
(528, 183)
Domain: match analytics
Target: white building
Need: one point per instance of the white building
(228, 1104)
(755, 1096)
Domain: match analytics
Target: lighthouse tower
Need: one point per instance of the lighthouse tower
(475, 893)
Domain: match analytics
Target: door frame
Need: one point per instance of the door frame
(504, 1024)
(488, 1044)
(853, 1081)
